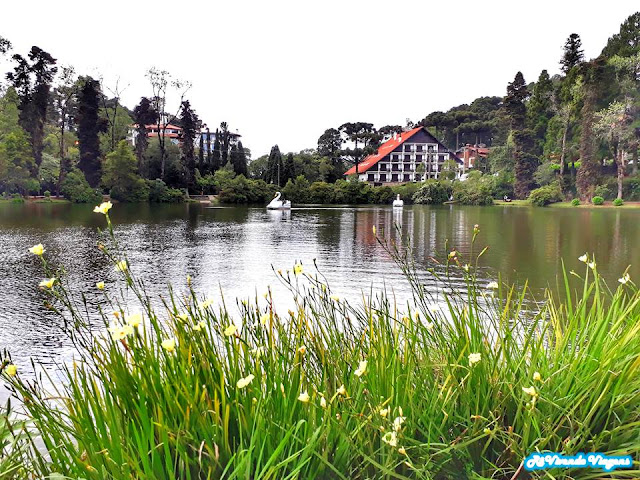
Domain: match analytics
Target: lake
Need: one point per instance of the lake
(234, 249)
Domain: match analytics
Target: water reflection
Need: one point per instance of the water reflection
(235, 248)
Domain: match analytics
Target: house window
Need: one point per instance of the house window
(407, 167)
(395, 157)
(407, 157)
(419, 158)
(383, 177)
(418, 148)
(442, 158)
(383, 167)
(407, 178)
(408, 147)
(430, 148)
(395, 167)
(394, 177)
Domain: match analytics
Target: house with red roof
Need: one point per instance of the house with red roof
(171, 132)
(471, 153)
(411, 156)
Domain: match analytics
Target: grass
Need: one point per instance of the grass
(608, 204)
(459, 385)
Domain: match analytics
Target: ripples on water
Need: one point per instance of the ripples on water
(234, 249)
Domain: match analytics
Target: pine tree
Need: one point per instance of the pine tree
(216, 154)
(89, 126)
(190, 126)
(143, 114)
(540, 110)
(273, 172)
(626, 42)
(32, 81)
(239, 160)
(573, 54)
(288, 169)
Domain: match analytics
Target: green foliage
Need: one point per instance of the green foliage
(406, 191)
(604, 191)
(597, 200)
(382, 195)
(297, 190)
(476, 190)
(432, 193)
(76, 188)
(543, 196)
(618, 202)
(240, 189)
(322, 193)
(160, 193)
(546, 173)
(575, 202)
(121, 175)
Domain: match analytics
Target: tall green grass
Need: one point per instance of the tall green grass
(455, 385)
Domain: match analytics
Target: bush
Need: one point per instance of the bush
(382, 195)
(603, 191)
(160, 193)
(618, 202)
(47, 193)
(597, 200)
(575, 202)
(297, 190)
(432, 193)
(476, 190)
(242, 190)
(17, 198)
(543, 196)
(76, 188)
(121, 175)
(352, 192)
(406, 191)
(321, 192)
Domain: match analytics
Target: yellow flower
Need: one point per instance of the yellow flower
(625, 279)
(11, 370)
(258, 352)
(530, 391)
(134, 319)
(474, 358)
(302, 350)
(199, 326)
(466, 267)
(384, 412)
(452, 254)
(100, 285)
(335, 298)
(362, 369)
(584, 258)
(487, 431)
(391, 438)
(47, 282)
(374, 229)
(169, 344)
(493, 285)
(342, 391)
(264, 319)
(304, 397)
(127, 330)
(183, 316)
(37, 249)
(402, 451)
(297, 268)
(117, 332)
(323, 402)
(397, 423)
(122, 266)
(103, 208)
(537, 377)
(429, 326)
(207, 303)
(243, 382)
(230, 330)
(591, 265)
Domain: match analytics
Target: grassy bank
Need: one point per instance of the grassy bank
(460, 385)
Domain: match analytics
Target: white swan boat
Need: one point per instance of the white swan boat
(398, 202)
(277, 204)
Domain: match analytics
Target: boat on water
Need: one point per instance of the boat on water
(277, 204)
(398, 202)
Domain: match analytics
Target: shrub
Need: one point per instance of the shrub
(321, 192)
(160, 193)
(47, 193)
(543, 196)
(17, 198)
(382, 195)
(132, 192)
(352, 192)
(432, 193)
(76, 188)
(575, 202)
(297, 190)
(121, 175)
(597, 200)
(406, 191)
(476, 190)
(618, 202)
(603, 191)
(242, 190)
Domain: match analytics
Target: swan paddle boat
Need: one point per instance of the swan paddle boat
(277, 204)
(398, 202)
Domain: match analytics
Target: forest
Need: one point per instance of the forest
(573, 135)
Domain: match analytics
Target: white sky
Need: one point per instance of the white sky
(281, 72)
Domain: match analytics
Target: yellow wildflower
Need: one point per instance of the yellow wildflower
(342, 391)
(592, 265)
(530, 391)
(384, 412)
(37, 249)
(391, 438)
(47, 282)
(243, 382)
(122, 266)
(183, 316)
(626, 278)
(584, 258)
(264, 319)
(397, 423)
(230, 330)
(335, 298)
(323, 402)
(11, 370)
(493, 285)
(207, 303)
(362, 369)
(169, 344)
(429, 326)
(103, 208)
(537, 377)
(302, 350)
(487, 431)
(100, 285)
(304, 397)
(199, 326)
(134, 319)
(474, 358)
(402, 451)
(297, 268)
(374, 229)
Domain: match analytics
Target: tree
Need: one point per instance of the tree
(572, 53)
(239, 160)
(330, 145)
(274, 166)
(224, 143)
(216, 154)
(111, 113)
(160, 81)
(121, 175)
(362, 135)
(190, 127)
(64, 97)
(32, 80)
(143, 114)
(626, 42)
(288, 168)
(90, 125)
(540, 109)
(525, 161)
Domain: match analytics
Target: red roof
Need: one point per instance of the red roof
(384, 149)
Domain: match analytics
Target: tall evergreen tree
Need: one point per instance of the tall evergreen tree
(573, 54)
(201, 156)
(363, 136)
(90, 125)
(64, 97)
(288, 169)
(330, 145)
(525, 161)
(626, 42)
(540, 110)
(190, 126)
(143, 114)
(216, 154)
(32, 81)
(239, 160)
(273, 172)
(225, 143)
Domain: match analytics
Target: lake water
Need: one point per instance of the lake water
(234, 249)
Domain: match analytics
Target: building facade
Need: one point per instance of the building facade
(470, 154)
(172, 133)
(412, 156)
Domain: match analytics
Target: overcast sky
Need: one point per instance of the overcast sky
(281, 72)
